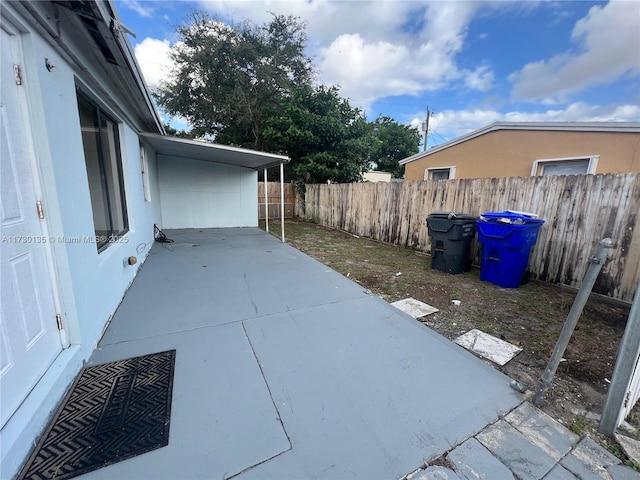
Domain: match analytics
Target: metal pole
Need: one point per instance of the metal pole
(572, 319)
(426, 130)
(626, 362)
(266, 203)
(282, 200)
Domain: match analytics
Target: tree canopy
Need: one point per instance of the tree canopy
(251, 86)
(325, 137)
(228, 79)
(391, 143)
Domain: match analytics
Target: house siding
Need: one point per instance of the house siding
(511, 153)
(89, 284)
(199, 194)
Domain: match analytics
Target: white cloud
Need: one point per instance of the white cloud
(608, 39)
(449, 124)
(403, 64)
(153, 57)
(374, 49)
(480, 79)
(327, 19)
(369, 66)
(377, 49)
(144, 11)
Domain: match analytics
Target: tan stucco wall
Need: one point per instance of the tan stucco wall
(511, 153)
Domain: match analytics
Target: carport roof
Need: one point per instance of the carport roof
(212, 152)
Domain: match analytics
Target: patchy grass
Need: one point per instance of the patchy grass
(579, 424)
(530, 316)
(615, 449)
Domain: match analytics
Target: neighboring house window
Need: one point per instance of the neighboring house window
(440, 173)
(104, 171)
(565, 166)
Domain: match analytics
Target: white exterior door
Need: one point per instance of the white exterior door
(29, 337)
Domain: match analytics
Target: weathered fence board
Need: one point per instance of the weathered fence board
(579, 211)
(273, 198)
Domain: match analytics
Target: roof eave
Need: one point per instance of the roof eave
(213, 152)
(624, 127)
(112, 18)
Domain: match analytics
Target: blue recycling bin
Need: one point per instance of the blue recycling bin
(507, 239)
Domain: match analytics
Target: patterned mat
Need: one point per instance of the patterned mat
(113, 412)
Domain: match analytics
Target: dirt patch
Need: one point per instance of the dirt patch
(531, 316)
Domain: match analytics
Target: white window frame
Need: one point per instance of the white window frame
(428, 172)
(144, 168)
(110, 185)
(538, 165)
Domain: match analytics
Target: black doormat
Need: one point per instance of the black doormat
(113, 412)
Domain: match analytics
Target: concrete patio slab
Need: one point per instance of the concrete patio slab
(373, 382)
(559, 473)
(630, 446)
(223, 420)
(474, 461)
(437, 473)
(487, 346)
(547, 433)
(525, 459)
(621, 472)
(589, 461)
(286, 369)
(214, 276)
(415, 308)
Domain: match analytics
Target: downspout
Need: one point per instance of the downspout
(266, 202)
(282, 200)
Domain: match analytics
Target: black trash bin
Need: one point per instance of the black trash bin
(451, 234)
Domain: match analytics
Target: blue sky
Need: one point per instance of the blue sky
(472, 63)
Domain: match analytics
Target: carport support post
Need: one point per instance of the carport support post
(266, 203)
(282, 199)
(590, 277)
(626, 363)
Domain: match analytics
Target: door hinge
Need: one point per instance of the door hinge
(17, 70)
(40, 209)
(59, 321)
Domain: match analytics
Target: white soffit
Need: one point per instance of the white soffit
(212, 152)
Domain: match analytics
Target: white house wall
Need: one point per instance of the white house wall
(90, 285)
(199, 194)
(99, 279)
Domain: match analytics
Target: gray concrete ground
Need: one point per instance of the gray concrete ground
(287, 370)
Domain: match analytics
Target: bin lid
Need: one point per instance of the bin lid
(509, 216)
(452, 216)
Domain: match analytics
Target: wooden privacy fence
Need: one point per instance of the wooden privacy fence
(579, 211)
(273, 197)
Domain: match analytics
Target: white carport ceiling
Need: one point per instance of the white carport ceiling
(212, 152)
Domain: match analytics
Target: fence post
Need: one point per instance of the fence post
(590, 277)
(626, 363)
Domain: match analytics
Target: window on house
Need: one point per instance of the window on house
(441, 173)
(565, 166)
(101, 144)
(144, 167)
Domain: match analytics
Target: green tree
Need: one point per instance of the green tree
(326, 139)
(391, 143)
(177, 133)
(228, 79)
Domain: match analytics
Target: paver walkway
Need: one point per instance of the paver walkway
(527, 444)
